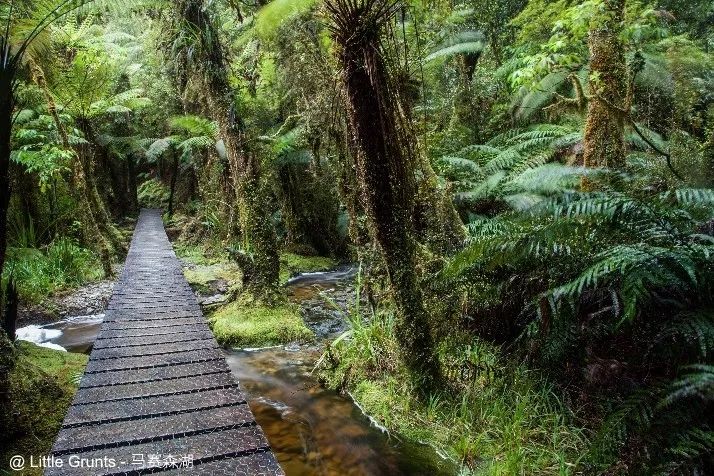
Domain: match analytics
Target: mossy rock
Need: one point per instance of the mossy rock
(42, 385)
(202, 278)
(292, 264)
(199, 255)
(250, 323)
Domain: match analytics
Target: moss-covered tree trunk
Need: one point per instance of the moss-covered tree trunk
(257, 232)
(87, 157)
(604, 144)
(384, 171)
(174, 178)
(131, 183)
(92, 234)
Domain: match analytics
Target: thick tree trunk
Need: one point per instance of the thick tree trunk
(384, 172)
(92, 234)
(132, 186)
(257, 232)
(116, 197)
(604, 142)
(99, 209)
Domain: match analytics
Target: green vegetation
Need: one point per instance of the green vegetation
(153, 194)
(292, 264)
(508, 424)
(248, 322)
(494, 415)
(201, 277)
(198, 254)
(42, 384)
(60, 266)
(535, 212)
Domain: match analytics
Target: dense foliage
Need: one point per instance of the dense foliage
(531, 178)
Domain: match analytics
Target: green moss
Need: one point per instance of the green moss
(202, 276)
(292, 264)
(250, 323)
(199, 255)
(42, 385)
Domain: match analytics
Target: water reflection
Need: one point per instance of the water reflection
(315, 431)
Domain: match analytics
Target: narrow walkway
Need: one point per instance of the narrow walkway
(157, 395)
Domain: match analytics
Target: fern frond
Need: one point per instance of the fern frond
(695, 328)
(463, 42)
(194, 125)
(698, 382)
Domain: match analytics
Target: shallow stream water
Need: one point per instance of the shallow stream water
(313, 430)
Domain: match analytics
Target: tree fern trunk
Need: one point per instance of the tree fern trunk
(383, 171)
(604, 144)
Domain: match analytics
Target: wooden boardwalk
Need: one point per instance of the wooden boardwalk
(157, 395)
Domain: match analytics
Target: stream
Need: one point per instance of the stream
(312, 430)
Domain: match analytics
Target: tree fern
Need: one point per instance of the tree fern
(194, 125)
(462, 42)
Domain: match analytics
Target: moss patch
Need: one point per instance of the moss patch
(42, 385)
(292, 264)
(199, 255)
(250, 323)
(203, 277)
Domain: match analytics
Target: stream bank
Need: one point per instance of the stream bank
(313, 430)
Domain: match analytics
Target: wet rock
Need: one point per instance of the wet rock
(292, 347)
(86, 300)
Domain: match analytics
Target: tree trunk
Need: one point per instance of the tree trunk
(96, 202)
(604, 141)
(257, 233)
(174, 177)
(133, 188)
(384, 171)
(92, 234)
(6, 109)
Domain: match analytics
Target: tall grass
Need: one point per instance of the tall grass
(494, 417)
(41, 272)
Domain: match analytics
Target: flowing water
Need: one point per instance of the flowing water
(313, 430)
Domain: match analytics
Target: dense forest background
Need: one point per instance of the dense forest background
(526, 186)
